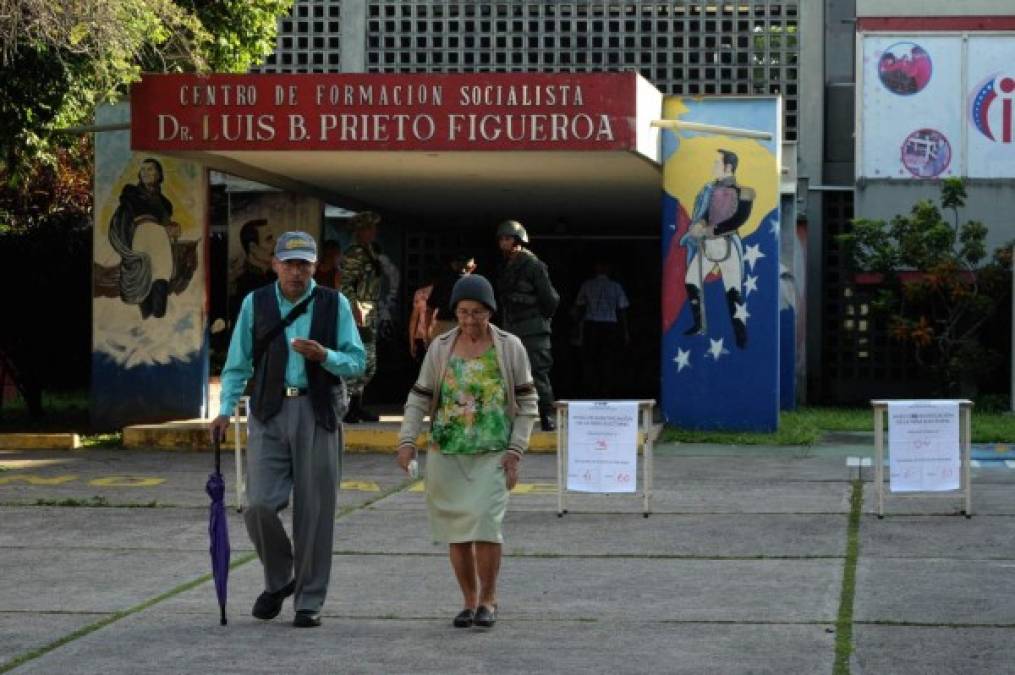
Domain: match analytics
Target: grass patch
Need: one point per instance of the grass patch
(844, 621)
(64, 412)
(794, 429)
(116, 616)
(95, 501)
(806, 426)
(112, 440)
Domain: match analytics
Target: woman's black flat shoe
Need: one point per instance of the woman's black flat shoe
(464, 619)
(485, 616)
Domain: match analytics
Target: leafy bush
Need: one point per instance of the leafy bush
(936, 285)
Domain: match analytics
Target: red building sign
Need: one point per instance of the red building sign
(491, 111)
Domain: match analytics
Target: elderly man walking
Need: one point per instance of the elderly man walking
(297, 340)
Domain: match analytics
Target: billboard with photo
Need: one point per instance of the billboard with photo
(933, 106)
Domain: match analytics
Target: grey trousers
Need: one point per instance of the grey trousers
(292, 454)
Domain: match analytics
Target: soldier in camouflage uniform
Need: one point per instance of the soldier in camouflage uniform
(361, 284)
(527, 302)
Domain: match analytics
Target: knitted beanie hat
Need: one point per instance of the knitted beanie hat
(473, 287)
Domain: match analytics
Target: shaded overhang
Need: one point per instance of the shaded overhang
(493, 145)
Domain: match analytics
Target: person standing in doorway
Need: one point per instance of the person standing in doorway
(362, 275)
(602, 304)
(527, 304)
(297, 340)
(422, 317)
(329, 267)
(458, 266)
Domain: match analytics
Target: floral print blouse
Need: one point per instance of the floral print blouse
(471, 418)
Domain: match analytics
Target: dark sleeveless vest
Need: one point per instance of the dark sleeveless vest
(327, 392)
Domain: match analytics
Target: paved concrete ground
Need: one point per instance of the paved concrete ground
(739, 570)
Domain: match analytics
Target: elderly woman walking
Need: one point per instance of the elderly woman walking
(476, 385)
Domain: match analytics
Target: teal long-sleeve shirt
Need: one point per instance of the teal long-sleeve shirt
(348, 360)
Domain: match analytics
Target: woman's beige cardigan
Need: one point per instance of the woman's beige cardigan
(522, 401)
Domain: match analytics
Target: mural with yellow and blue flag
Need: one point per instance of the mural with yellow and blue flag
(720, 246)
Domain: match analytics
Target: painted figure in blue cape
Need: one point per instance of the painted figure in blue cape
(712, 242)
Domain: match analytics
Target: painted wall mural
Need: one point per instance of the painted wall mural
(256, 219)
(149, 338)
(721, 288)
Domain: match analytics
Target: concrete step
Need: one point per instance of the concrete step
(192, 435)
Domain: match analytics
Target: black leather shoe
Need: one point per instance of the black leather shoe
(546, 422)
(485, 616)
(306, 618)
(464, 618)
(269, 603)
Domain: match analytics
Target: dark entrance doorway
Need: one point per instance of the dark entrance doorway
(631, 250)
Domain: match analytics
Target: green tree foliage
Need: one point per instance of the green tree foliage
(58, 59)
(936, 285)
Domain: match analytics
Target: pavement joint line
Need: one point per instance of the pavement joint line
(598, 556)
(920, 624)
(113, 618)
(186, 586)
(664, 514)
(844, 621)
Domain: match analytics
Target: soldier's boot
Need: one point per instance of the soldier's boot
(546, 422)
(694, 299)
(364, 414)
(739, 327)
(353, 414)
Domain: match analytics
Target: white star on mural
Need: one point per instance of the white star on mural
(716, 349)
(741, 312)
(752, 255)
(750, 284)
(774, 229)
(683, 359)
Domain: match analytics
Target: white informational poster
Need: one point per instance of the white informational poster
(990, 106)
(911, 107)
(602, 446)
(923, 446)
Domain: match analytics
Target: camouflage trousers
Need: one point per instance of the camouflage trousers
(356, 385)
(541, 361)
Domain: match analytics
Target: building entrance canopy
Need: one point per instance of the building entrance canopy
(574, 145)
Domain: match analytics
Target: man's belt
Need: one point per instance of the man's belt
(293, 392)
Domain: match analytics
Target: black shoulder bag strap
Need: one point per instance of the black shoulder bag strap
(261, 345)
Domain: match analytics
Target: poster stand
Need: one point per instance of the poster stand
(880, 407)
(239, 424)
(645, 442)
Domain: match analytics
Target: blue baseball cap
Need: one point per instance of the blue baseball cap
(296, 246)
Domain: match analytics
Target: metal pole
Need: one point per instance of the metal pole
(711, 129)
(879, 459)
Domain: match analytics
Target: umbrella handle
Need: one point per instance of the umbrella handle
(218, 462)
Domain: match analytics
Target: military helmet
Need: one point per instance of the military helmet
(364, 219)
(512, 228)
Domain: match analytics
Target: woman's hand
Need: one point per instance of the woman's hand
(510, 463)
(406, 453)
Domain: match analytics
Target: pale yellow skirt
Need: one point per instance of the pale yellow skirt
(466, 497)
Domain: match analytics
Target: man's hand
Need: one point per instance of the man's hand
(510, 464)
(699, 229)
(406, 453)
(310, 349)
(218, 428)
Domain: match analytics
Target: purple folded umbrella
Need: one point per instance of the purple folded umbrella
(218, 532)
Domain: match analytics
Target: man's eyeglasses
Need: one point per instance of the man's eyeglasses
(472, 313)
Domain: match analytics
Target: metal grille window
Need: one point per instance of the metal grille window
(859, 354)
(308, 40)
(683, 46)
